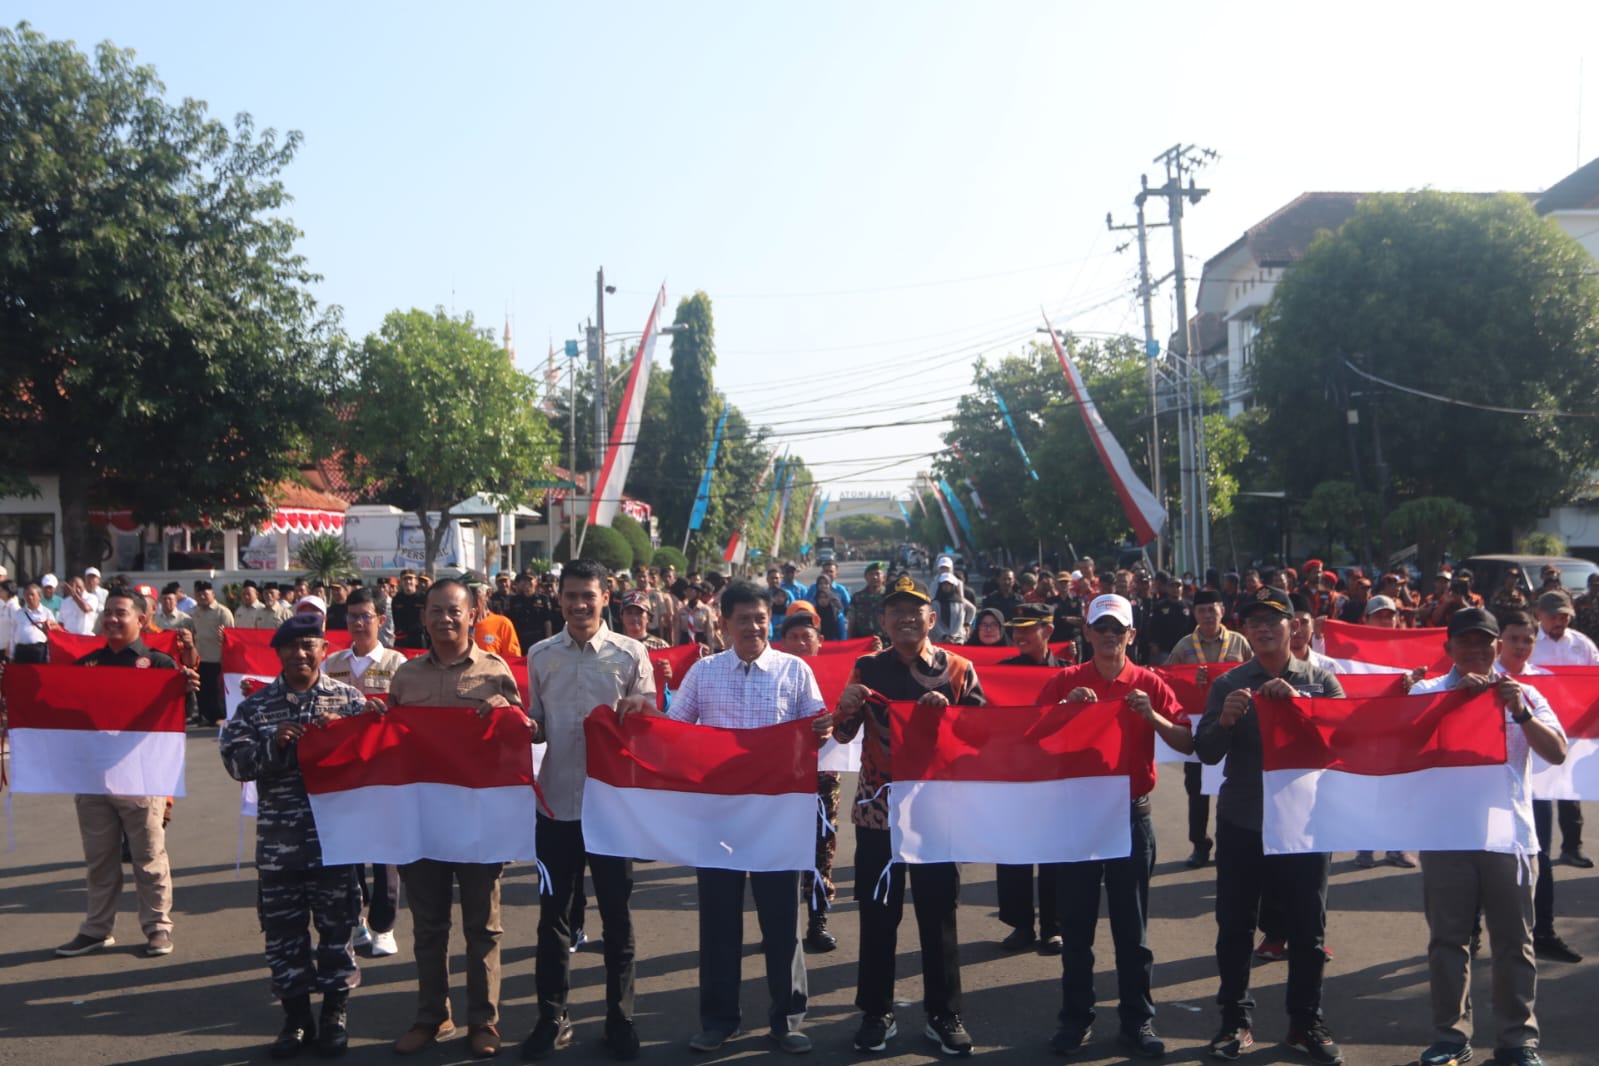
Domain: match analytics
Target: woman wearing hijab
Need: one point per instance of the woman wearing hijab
(989, 629)
(954, 612)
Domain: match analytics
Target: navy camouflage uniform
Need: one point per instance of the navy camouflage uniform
(295, 889)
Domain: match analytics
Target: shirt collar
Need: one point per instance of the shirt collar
(600, 636)
(472, 655)
(764, 662)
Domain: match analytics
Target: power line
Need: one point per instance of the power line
(1495, 408)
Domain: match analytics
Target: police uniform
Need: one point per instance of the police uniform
(295, 888)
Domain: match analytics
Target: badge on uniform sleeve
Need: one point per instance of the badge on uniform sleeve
(142, 662)
(489, 638)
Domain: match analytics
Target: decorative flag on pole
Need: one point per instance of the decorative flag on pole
(810, 516)
(782, 513)
(1005, 413)
(903, 511)
(943, 509)
(702, 498)
(607, 499)
(422, 783)
(821, 513)
(959, 508)
(971, 487)
(1397, 773)
(969, 783)
(735, 544)
(100, 730)
(777, 484)
(1145, 513)
(726, 799)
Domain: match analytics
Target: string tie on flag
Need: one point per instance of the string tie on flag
(880, 790)
(880, 890)
(819, 901)
(821, 812)
(544, 878)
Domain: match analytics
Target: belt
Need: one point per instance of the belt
(1141, 806)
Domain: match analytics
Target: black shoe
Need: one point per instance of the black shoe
(1552, 949)
(1018, 939)
(621, 1037)
(1199, 856)
(550, 1034)
(332, 1037)
(817, 939)
(1518, 1056)
(875, 1032)
(1144, 1042)
(1575, 857)
(1051, 945)
(299, 1029)
(1231, 1042)
(1069, 1039)
(1316, 1042)
(83, 944)
(949, 1034)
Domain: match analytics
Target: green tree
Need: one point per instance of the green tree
(1436, 525)
(434, 412)
(1543, 542)
(868, 528)
(608, 547)
(148, 282)
(1339, 514)
(690, 413)
(326, 558)
(638, 537)
(1473, 298)
(666, 555)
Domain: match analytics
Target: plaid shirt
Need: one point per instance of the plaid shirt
(723, 690)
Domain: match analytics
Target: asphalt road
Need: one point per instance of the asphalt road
(209, 1002)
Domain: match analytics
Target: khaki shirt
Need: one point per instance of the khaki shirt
(567, 680)
(1228, 647)
(175, 620)
(208, 623)
(375, 679)
(258, 617)
(465, 682)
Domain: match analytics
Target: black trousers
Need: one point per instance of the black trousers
(722, 947)
(1126, 885)
(560, 848)
(1198, 805)
(936, 897)
(1543, 893)
(1570, 814)
(212, 709)
(1297, 884)
(1015, 889)
(32, 653)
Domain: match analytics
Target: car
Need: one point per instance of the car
(1488, 572)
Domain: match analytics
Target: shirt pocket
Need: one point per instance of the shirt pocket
(476, 689)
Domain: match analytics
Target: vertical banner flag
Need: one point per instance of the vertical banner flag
(821, 513)
(782, 513)
(943, 509)
(1005, 413)
(959, 508)
(702, 498)
(777, 484)
(905, 512)
(607, 499)
(810, 516)
(982, 512)
(1145, 513)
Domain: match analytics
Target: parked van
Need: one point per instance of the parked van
(1488, 572)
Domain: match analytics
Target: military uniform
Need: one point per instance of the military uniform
(295, 888)
(866, 615)
(258, 616)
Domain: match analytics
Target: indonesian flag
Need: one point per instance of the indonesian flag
(422, 783)
(67, 648)
(1009, 784)
(106, 730)
(1143, 510)
(680, 658)
(1397, 773)
(1573, 694)
(1183, 679)
(607, 499)
(981, 655)
(249, 664)
(1370, 650)
(700, 796)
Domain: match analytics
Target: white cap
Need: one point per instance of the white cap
(1380, 603)
(92, 572)
(1077, 575)
(1111, 606)
(315, 603)
(49, 581)
(943, 561)
(950, 578)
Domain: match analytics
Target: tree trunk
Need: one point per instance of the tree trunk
(79, 539)
(431, 535)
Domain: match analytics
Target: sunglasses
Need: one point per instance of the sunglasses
(1113, 628)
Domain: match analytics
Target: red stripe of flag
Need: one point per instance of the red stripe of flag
(1401, 649)
(413, 745)
(1573, 694)
(1015, 744)
(658, 753)
(67, 648)
(1382, 735)
(105, 699)
(680, 658)
(1183, 679)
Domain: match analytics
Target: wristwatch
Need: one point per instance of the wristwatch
(1523, 718)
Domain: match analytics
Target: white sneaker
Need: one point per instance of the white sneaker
(363, 935)
(578, 940)
(383, 944)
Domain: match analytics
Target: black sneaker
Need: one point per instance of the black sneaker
(1231, 1042)
(1553, 949)
(1445, 1053)
(621, 1038)
(82, 945)
(1144, 1042)
(875, 1032)
(1069, 1039)
(1316, 1042)
(1518, 1056)
(949, 1034)
(550, 1034)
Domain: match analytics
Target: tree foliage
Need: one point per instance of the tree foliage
(434, 412)
(666, 555)
(690, 413)
(149, 292)
(326, 558)
(1437, 525)
(868, 528)
(638, 537)
(608, 547)
(1473, 298)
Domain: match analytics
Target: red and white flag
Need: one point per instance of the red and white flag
(1370, 650)
(1396, 773)
(679, 658)
(607, 498)
(1183, 679)
(726, 799)
(249, 664)
(104, 730)
(422, 783)
(970, 783)
(67, 648)
(1573, 694)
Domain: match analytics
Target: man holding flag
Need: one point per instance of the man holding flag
(296, 890)
(1109, 676)
(1244, 873)
(746, 687)
(1457, 886)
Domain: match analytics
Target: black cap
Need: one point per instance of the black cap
(1032, 614)
(798, 619)
(250, 584)
(1473, 620)
(173, 587)
(1300, 603)
(308, 624)
(201, 585)
(1206, 596)
(1162, 576)
(1265, 598)
(908, 587)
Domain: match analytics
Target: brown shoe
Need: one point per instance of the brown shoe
(485, 1041)
(422, 1035)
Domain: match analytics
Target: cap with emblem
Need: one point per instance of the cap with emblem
(296, 627)
(1111, 606)
(1265, 599)
(1555, 601)
(909, 588)
(640, 600)
(1032, 614)
(1473, 620)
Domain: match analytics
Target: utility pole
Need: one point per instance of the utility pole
(596, 346)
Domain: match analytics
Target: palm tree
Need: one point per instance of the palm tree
(326, 558)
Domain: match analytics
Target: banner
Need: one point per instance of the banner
(1406, 773)
(1358, 649)
(702, 498)
(959, 510)
(422, 783)
(106, 730)
(727, 799)
(1005, 414)
(67, 648)
(1143, 510)
(943, 509)
(607, 498)
(782, 513)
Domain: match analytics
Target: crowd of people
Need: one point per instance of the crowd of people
(586, 635)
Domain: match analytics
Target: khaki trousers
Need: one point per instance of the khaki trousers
(1455, 884)
(429, 890)
(102, 820)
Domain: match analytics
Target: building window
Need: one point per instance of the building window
(28, 545)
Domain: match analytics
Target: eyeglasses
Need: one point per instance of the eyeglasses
(1112, 628)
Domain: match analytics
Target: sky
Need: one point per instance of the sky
(872, 195)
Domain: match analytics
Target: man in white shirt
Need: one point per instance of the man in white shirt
(1458, 885)
(31, 622)
(80, 609)
(746, 687)
(1560, 645)
(91, 585)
